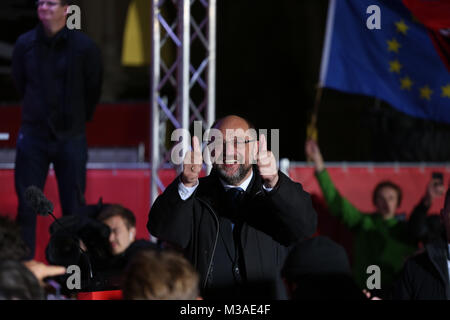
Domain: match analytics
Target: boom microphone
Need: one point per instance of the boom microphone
(44, 207)
(38, 202)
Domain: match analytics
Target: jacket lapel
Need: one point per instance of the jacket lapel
(437, 252)
(211, 191)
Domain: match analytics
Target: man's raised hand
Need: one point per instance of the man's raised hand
(267, 164)
(192, 164)
(313, 153)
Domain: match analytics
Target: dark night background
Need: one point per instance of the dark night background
(268, 62)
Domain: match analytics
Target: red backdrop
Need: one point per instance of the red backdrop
(124, 125)
(131, 189)
(127, 125)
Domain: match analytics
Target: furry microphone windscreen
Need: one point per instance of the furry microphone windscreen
(37, 201)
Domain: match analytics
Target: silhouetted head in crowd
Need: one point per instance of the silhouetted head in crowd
(160, 275)
(17, 282)
(12, 247)
(318, 269)
(445, 215)
(387, 198)
(122, 223)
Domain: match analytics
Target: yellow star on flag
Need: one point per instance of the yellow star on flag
(395, 66)
(426, 92)
(402, 27)
(406, 83)
(446, 91)
(393, 45)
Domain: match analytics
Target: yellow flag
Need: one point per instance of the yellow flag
(136, 36)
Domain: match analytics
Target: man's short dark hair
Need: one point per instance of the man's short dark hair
(12, 246)
(18, 283)
(116, 210)
(387, 184)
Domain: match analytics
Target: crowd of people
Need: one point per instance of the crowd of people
(380, 238)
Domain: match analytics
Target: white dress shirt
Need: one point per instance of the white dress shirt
(186, 192)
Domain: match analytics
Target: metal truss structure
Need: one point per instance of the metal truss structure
(182, 75)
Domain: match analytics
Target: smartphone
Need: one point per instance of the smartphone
(438, 176)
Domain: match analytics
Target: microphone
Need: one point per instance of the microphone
(38, 202)
(44, 207)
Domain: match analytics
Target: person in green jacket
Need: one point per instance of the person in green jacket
(380, 239)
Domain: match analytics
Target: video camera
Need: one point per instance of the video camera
(82, 241)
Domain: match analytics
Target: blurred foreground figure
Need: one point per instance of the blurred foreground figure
(18, 283)
(318, 269)
(426, 275)
(12, 246)
(160, 275)
(58, 72)
(20, 280)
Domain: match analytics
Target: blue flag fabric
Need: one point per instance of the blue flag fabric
(397, 63)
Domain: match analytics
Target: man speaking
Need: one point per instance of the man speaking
(235, 225)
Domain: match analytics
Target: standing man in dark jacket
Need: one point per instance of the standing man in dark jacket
(235, 225)
(59, 74)
(426, 276)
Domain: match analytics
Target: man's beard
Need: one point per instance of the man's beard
(236, 177)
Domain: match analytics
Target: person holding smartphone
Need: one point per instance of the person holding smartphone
(380, 237)
(426, 227)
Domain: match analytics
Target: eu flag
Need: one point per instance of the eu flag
(396, 63)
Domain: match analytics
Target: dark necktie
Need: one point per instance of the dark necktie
(235, 196)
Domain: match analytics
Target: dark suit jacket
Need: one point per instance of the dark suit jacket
(82, 80)
(425, 276)
(271, 222)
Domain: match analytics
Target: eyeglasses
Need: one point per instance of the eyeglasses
(49, 4)
(237, 142)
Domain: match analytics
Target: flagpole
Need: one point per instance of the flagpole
(311, 129)
(327, 42)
